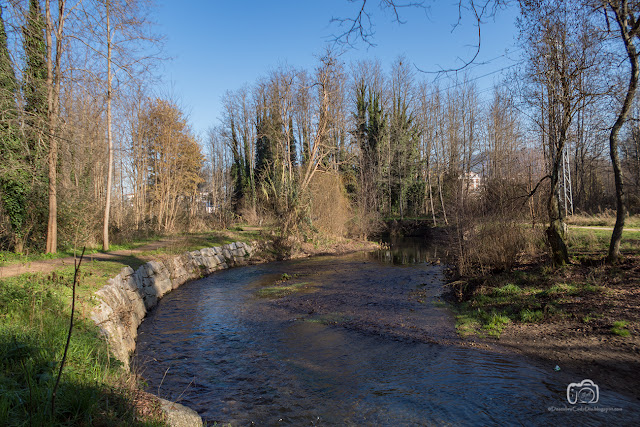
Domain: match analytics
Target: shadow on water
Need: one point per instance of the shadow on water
(366, 345)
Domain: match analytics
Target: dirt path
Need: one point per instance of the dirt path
(48, 265)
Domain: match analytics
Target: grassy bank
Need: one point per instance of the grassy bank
(529, 295)
(605, 219)
(598, 296)
(34, 322)
(150, 246)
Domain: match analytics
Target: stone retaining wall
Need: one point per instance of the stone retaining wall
(125, 300)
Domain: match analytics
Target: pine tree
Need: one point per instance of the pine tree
(405, 188)
(264, 150)
(238, 171)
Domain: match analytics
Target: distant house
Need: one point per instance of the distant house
(471, 180)
(129, 198)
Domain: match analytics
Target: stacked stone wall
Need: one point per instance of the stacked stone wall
(126, 299)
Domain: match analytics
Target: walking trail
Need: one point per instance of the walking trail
(49, 265)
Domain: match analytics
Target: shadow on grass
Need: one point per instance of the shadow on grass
(34, 321)
(130, 260)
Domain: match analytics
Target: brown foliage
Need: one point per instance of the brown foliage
(330, 210)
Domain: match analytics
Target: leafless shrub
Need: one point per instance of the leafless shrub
(494, 229)
(497, 244)
(329, 209)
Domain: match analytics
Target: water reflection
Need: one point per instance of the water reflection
(409, 250)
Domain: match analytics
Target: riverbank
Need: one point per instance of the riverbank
(133, 254)
(583, 318)
(34, 321)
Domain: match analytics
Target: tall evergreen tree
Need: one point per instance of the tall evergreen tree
(8, 83)
(405, 185)
(35, 74)
(238, 170)
(14, 174)
(264, 150)
(370, 129)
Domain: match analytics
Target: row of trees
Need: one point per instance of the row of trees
(79, 135)
(89, 151)
(405, 148)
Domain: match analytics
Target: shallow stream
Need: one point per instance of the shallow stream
(361, 340)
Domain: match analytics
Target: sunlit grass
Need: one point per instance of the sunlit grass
(592, 240)
(620, 328)
(173, 245)
(607, 219)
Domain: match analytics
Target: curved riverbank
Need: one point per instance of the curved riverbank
(359, 339)
(126, 299)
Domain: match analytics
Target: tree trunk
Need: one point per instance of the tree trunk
(53, 93)
(107, 207)
(444, 212)
(433, 211)
(627, 36)
(556, 232)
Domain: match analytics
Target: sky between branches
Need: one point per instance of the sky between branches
(218, 45)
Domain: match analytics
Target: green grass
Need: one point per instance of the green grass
(531, 316)
(590, 240)
(494, 322)
(530, 296)
(468, 324)
(8, 258)
(491, 310)
(620, 328)
(184, 243)
(34, 321)
(329, 319)
(561, 289)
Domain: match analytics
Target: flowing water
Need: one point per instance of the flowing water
(363, 340)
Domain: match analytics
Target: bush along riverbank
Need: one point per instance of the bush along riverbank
(582, 317)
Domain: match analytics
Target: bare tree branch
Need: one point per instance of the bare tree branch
(361, 27)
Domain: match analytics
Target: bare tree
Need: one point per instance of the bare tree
(107, 204)
(53, 30)
(117, 32)
(361, 26)
(627, 16)
(562, 67)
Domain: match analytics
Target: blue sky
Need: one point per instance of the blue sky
(220, 45)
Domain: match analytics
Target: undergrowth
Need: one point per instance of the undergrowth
(34, 322)
(487, 309)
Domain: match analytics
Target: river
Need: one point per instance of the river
(363, 340)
